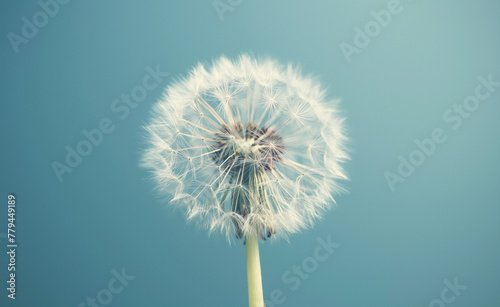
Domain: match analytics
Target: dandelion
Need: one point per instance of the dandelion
(247, 148)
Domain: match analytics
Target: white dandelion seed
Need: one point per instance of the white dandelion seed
(249, 149)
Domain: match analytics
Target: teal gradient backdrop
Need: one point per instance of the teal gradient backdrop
(397, 248)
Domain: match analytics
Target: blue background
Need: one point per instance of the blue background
(396, 248)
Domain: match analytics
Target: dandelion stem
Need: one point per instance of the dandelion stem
(255, 294)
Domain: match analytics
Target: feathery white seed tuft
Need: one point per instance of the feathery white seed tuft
(247, 147)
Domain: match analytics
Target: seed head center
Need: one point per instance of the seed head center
(245, 145)
(264, 146)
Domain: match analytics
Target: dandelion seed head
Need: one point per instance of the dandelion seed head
(247, 148)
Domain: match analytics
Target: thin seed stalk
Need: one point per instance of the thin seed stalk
(255, 293)
(244, 203)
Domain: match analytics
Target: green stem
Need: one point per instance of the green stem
(255, 294)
